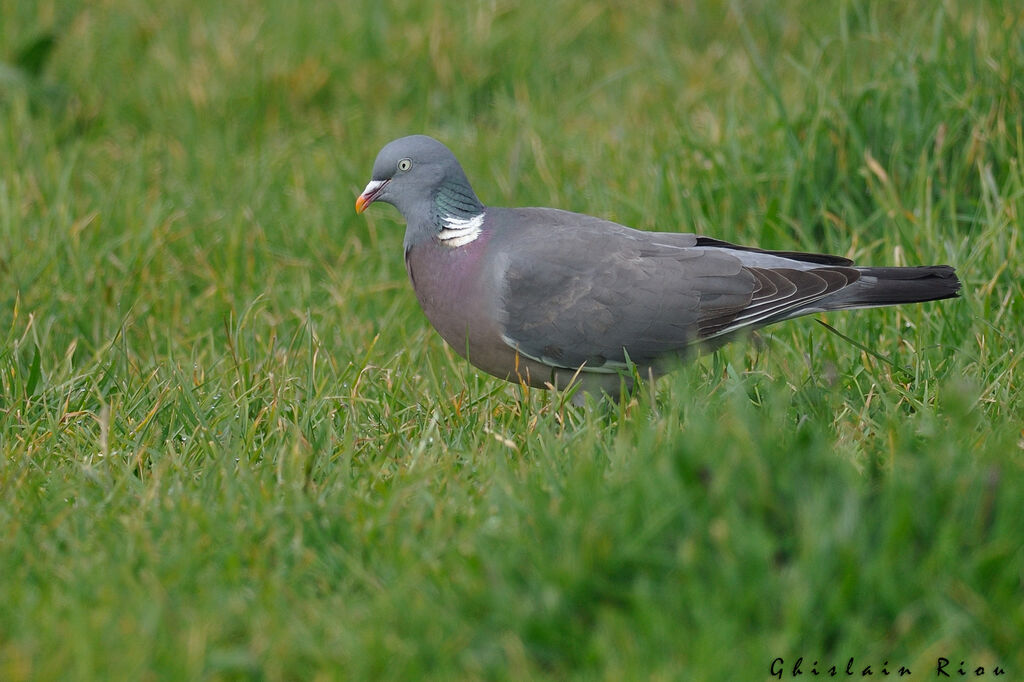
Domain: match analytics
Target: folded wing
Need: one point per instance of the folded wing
(590, 295)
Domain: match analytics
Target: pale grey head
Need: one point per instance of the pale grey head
(422, 179)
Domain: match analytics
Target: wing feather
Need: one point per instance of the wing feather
(579, 291)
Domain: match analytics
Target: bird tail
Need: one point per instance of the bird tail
(892, 286)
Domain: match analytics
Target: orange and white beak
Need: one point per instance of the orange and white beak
(370, 194)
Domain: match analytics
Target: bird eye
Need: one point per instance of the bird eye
(404, 164)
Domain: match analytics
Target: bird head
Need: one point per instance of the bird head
(409, 171)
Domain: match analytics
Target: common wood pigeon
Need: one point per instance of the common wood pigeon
(545, 296)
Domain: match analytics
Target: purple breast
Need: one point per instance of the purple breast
(453, 289)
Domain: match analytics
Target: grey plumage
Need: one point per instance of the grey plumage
(542, 295)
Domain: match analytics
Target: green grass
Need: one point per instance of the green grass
(232, 447)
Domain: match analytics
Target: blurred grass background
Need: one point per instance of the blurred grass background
(232, 447)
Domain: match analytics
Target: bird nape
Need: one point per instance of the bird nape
(548, 297)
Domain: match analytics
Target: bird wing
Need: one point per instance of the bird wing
(577, 291)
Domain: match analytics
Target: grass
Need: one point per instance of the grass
(232, 447)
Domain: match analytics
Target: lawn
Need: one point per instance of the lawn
(232, 447)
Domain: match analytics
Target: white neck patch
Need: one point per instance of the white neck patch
(460, 231)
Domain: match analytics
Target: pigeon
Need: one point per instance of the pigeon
(551, 298)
